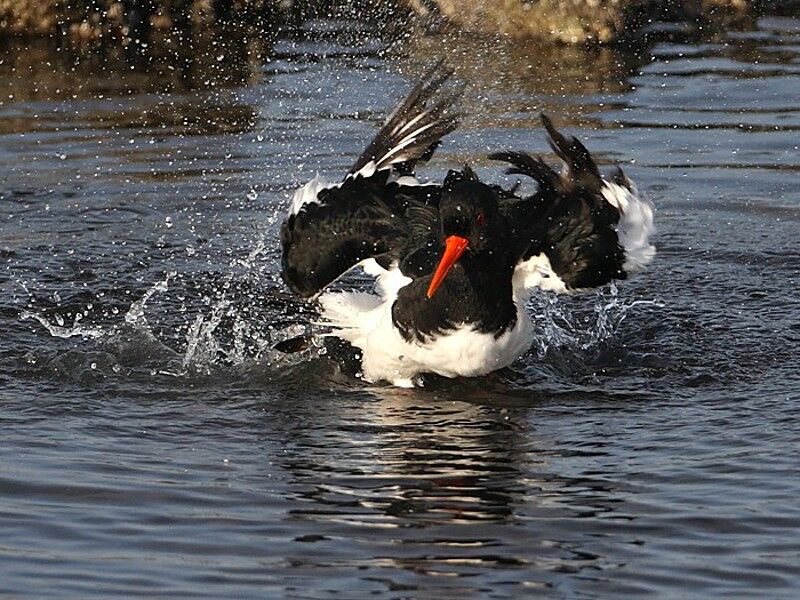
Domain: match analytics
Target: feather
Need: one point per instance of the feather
(415, 127)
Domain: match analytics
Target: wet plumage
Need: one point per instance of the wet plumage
(455, 262)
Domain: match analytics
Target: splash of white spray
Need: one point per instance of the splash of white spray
(560, 326)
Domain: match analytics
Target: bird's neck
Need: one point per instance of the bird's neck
(477, 293)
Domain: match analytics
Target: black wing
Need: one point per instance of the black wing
(578, 231)
(367, 217)
(376, 212)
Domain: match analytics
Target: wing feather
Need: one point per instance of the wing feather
(579, 231)
(413, 129)
(376, 211)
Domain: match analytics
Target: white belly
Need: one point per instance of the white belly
(365, 320)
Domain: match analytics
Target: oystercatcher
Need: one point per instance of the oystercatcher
(455, 263)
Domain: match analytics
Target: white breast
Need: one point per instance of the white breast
(365, 320)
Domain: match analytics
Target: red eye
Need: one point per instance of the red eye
(480, 219)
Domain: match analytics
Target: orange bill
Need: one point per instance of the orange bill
(454, 248)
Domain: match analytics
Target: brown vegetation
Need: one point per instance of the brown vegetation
(581, 21)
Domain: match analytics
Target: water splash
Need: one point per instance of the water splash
(59, 330)
(135, 317)
(227, 335)
(223, 335)
(204, 350)
(562, 325)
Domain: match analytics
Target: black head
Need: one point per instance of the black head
(469, 221)
(468, 209)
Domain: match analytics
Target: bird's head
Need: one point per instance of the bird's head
(469, 221)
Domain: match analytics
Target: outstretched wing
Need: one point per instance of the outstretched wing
(579, 230)
(413, 130)
(379, 209)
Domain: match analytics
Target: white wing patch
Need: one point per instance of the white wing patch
(536, 272)
(393, 155)
(406, 134)
(635, 225)
(308, 194)
(633, 232)
(368, 170)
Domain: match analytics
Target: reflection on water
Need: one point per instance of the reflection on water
(440, 478)
(43, 69)
(517, 70)
(438, 463)
(153, 443)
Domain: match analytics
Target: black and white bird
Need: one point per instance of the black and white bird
(456, 262)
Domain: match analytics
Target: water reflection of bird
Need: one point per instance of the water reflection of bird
(456, 262)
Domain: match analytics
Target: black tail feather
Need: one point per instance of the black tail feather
(524, 164)
(581, 168)
(621, 179)
(414, 128)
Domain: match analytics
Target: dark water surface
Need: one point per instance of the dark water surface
(152, 444)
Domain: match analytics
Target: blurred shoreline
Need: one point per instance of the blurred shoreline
(131, 23)
(41, 69)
